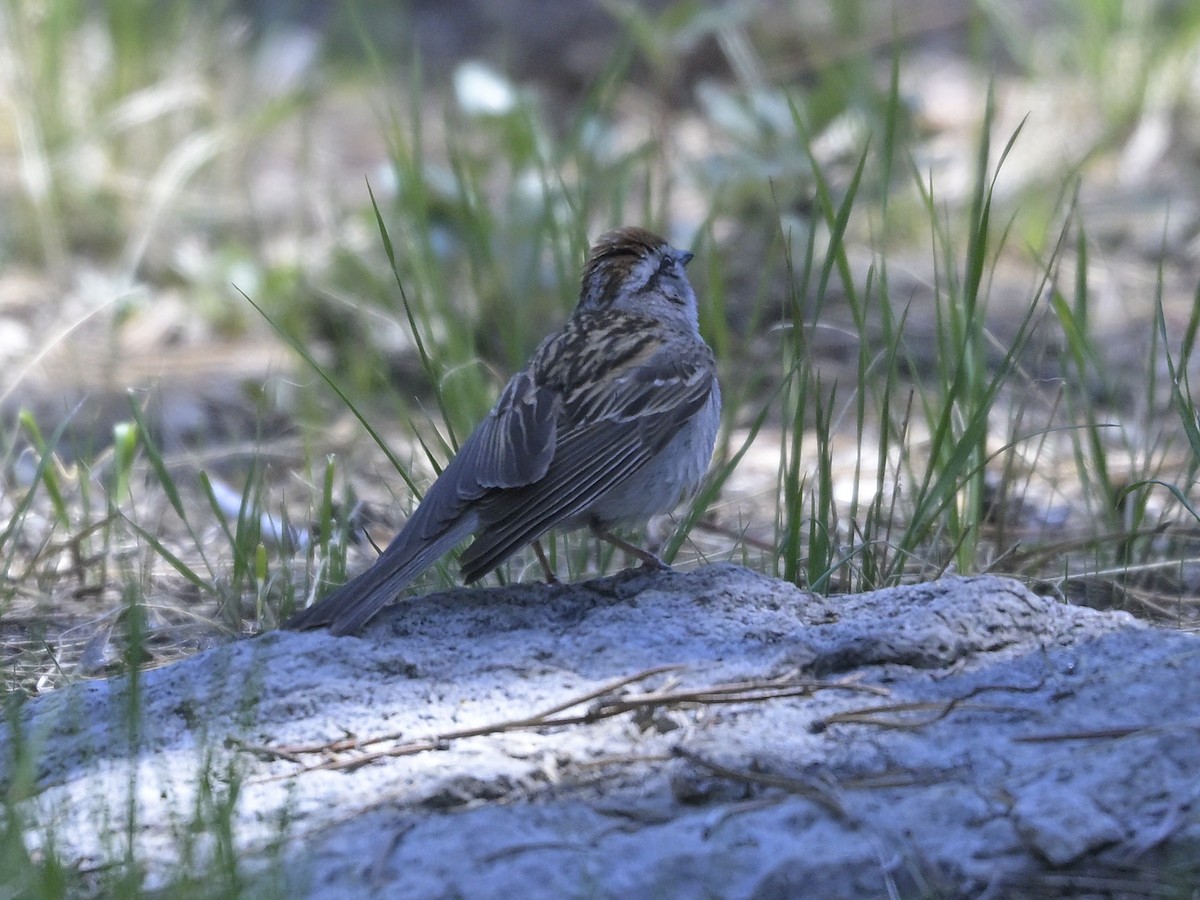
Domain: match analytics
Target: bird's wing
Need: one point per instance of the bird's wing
(512, 447)
(614, 423)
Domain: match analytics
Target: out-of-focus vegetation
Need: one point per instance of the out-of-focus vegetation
(955, 332)
(958, 333)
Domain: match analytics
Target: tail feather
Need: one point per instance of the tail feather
(355, 603)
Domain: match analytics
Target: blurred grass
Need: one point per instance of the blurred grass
(914, 417)
(485, 211)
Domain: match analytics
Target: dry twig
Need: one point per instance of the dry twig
(755, 691)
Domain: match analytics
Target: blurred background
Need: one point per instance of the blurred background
(158, 157)
(189, 192)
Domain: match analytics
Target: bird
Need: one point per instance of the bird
(613, 420)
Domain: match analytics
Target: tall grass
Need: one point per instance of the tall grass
(477, 237)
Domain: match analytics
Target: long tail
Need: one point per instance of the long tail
(355, 603)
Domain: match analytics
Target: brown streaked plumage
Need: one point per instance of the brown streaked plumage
(613, 420)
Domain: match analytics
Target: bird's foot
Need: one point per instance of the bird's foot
(650, 561)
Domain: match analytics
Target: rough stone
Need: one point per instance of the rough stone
(951, 738)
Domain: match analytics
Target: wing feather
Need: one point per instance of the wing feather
(511, 448)
(636, 416)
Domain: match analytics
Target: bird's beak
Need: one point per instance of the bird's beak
(684, 256)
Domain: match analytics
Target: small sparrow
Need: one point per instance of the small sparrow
(612, 421)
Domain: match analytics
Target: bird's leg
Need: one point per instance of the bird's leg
(649, 560)
(551, 578)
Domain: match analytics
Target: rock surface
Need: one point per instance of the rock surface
(955, 738)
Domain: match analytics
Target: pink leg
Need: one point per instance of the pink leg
(649, 560)
(551, 578)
